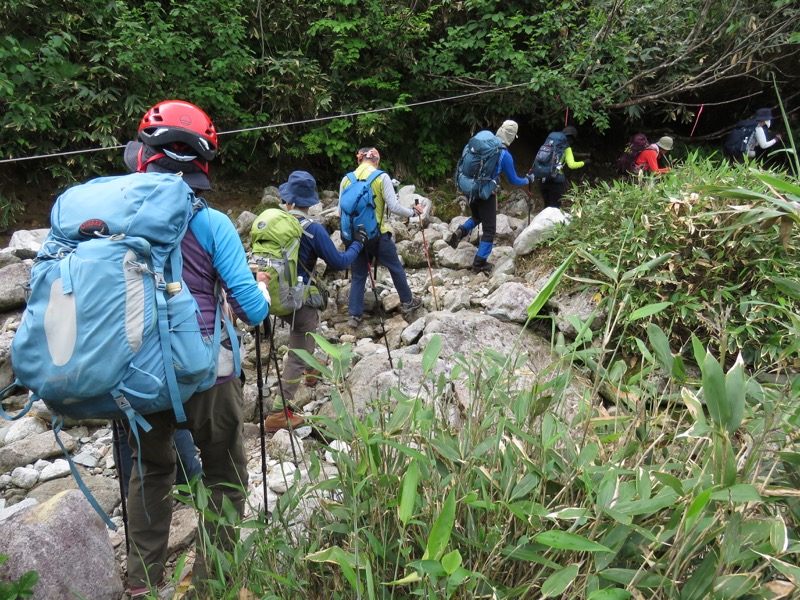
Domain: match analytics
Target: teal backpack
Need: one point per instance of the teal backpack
(111, 330)
(477, 171)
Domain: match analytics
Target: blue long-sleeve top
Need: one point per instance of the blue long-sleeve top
(212, 250)
(506, 166)
(321, 246)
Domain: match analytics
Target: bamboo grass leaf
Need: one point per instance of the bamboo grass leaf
(544, 294)
(558, 582)
(649, 310)
(563, 540)
(714, 391)
(441, 530)
(408, 493)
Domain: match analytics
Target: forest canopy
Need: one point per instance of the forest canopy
(78, 74)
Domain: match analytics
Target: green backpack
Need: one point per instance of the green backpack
(275, 235)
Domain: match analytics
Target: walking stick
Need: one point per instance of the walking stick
(115, 427)
(427, 256)
(270, 331)
(260, 384)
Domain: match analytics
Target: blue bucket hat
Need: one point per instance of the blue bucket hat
(300, 190)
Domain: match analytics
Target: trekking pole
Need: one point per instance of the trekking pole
(378, 302)
(270, 331)
(260, 385)
(529, 202)
(115, 427)
(427, 256)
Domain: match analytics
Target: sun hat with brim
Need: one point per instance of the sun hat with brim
(300, 190)
(137, 153)
(508, 132)
(665, 143)
(570, 130)
(763, 114)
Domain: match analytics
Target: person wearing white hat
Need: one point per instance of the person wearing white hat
(484, 212)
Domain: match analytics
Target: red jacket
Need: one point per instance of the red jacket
(647, 161)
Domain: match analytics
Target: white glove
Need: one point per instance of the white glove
(263, 287)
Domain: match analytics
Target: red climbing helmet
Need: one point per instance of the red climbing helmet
(173, 123)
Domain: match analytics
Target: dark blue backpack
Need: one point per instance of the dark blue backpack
(357, 207)
(547, 163)
(477, 172)
(737, 140)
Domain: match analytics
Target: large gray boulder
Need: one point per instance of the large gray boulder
(67, 544)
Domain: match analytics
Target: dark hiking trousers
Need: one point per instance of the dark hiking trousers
(483, 213)
(552, 191)
(302, 321)
(215, 418)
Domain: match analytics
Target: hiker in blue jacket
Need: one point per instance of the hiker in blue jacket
(299, 194)
(178, 137)
(484, 212)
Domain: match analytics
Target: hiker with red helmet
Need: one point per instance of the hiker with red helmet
(178, 137)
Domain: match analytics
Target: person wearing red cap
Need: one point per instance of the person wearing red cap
(179, 137)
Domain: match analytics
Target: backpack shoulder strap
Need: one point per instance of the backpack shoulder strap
(352, 177)
(373, 176)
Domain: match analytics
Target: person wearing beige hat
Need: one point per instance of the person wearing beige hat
(484, 212)
(647, 162)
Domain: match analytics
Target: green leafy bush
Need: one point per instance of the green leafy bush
(680, 243)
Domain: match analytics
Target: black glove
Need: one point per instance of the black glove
(361, 235)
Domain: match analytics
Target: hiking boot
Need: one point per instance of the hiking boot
(411, 305)
(456, 237)
(480, 265)
(354, 322)
(312, 377)
(283, 419)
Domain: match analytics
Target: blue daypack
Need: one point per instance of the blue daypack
(547, 163)
(357, 207)
(477, 172)
(111, 330)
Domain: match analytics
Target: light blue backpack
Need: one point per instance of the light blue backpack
(111, 330)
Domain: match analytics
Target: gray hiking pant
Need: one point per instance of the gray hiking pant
(215, 418)
(302, 322)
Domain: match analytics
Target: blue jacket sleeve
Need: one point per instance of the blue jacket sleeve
(507, 168)
(324, 248)
(230, 262)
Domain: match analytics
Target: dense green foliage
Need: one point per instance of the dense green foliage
(721, 268)
(78, 75)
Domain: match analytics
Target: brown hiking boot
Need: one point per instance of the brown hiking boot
(312, 377)
(283, 419)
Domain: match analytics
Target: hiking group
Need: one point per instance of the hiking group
(138, 273)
